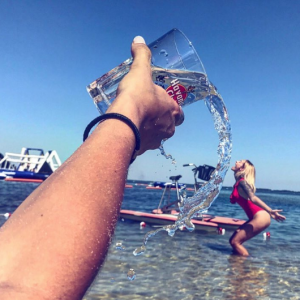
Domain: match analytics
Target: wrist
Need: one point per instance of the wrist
(127, 108)
(129, 128)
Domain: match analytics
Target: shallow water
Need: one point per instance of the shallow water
(192, 265)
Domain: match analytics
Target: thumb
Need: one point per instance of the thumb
(140, 52)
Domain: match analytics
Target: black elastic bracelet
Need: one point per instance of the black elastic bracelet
(118, 117)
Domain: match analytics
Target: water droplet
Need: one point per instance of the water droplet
(131, 274)
(162, 151)
(119, 246)
(189, 225)
(163, 52)
(139, 251)
(171, 230)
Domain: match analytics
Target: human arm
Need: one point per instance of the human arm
(246, 191)
(55, 242)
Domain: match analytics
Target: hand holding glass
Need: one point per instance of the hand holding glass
(176, 67)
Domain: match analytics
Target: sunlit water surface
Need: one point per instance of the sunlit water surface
(192, 265)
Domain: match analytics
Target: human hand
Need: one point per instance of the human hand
(276, 216)
(149, 106)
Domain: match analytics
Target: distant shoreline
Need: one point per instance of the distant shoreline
(259, 190)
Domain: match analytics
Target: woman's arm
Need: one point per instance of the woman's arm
(55, 242)
(247, 193)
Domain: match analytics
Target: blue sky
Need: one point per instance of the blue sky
(50, 51)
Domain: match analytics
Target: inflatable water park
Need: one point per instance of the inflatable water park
(31, 165)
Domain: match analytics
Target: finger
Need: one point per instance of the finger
(141, 53)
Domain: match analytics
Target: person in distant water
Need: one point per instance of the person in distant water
(257, 211)
(54, 244)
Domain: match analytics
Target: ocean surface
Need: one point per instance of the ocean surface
(192, 265)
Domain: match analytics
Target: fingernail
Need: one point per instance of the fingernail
(139, 40)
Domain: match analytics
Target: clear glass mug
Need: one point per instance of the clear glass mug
(176, 67)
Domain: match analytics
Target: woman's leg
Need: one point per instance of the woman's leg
(260, 222)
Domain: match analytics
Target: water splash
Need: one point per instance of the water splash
(142, 249)
(119, 246)
(131, 274)
(189, 207)
(162, 152)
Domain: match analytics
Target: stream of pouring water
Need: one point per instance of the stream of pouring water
(207, 193)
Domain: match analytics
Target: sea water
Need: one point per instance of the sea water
(196, 265)
(201, 265)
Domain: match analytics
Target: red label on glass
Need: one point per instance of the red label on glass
(177, 91)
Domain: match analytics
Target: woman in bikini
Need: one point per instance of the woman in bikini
(257, 211)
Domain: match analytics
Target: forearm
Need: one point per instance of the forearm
(256, 200)
(247, 193)
(81, 213)
(53, 245)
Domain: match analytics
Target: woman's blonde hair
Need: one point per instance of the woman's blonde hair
(248, 173)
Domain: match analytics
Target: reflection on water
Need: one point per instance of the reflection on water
(245, 279)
